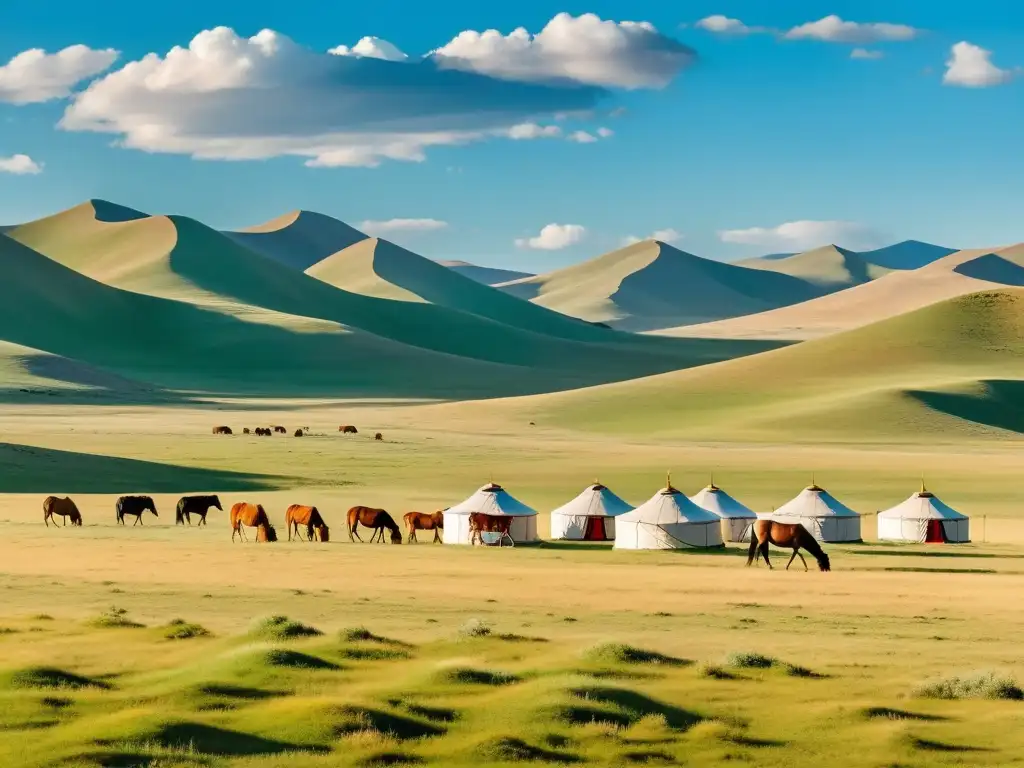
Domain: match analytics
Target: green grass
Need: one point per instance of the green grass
(282, 628)
(179, 629)
(980, 686)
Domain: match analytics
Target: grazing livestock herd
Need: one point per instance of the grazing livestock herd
(346, 429)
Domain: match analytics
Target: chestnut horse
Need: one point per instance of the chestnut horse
(310, 517)
(348, 429)
(254, 516)
(480, 523)
(785, 536)
(377, 519)
(64, 507)
(422, 521)
(222, 430)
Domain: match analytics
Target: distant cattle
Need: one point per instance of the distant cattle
(222, 431)
(299, 433)
(348, 429)
(53, 506)
(378, 436)
(281, 430)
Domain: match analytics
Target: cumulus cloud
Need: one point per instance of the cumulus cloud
(534, 131)
(970, 66)
(371, 47)
(582, 137)
(35, 76)
(230, 98)
(663, 235)
(605, 133)
(20, 165)
(866, 54)
(582, 49)
(723, 25)
(833, 29)
(554, 237)
(804, 235)
(391, 226)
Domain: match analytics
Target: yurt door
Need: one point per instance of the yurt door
(595, 530)
(935, 535)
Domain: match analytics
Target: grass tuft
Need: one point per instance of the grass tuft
(475, 628)
(282, 628)
(750, 660)
(52, 678)
(715, 672)
(114, 618)
(179, 629)
(374, 654)
(509, 749)
(987, 685)
(619, 653)
(469, 676)
(279, 657)
(382, 759)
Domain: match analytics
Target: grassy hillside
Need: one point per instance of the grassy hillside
(653, 285)
(830, 267)
(485, 275)
(867, 382)
(893, 294)
(298, 239)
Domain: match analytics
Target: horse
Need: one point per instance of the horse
(785, 535)
(64, 507)
(348, 429)
(281, 430)
(261, 432)
(310, 517)
(379, 437)
(480, 523)
(423, 521)
(195, 505)
(245, 430)
(135, 505)
(222, 431)
(377, 519)
(299, 433)
(254, 516)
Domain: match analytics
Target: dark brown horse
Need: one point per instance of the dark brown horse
(299, 433)
(245, 430)
(310, 517)
(348, 429)
(377, 519)
(480, 523)
(378, 436)
(195, 505)
(422, 521)
(280, 430)
(248, 515)
(64, 507)
(222, 431)
(785, 536)
(135, 506)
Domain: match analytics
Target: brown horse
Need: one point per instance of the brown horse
(64, 507)
(299, 433)
(378, 436)
(310, 517)
(786, 536)
(422, 521)
(245, 430)
(280, 430)
(222, 431)
(253, 516)
(348, 429)
(377, 519)
(480, 523)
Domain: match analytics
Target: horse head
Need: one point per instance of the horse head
(325, 533)
(823, 562)
(216, 502)
(396, 536)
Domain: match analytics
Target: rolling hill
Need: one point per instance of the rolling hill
(652, 285)
(940, 371)
(909, 254)
(830, 267)
(298, 239)
(485, 275)
(893, 294)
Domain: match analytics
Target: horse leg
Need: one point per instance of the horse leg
(137, 521)
(764, 553)
(802, 560)
(752, 554)
(792, 558)
(354, 532)
(437, 536)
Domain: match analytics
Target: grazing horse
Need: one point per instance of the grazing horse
(245, 430)
(348, 429)
(299, 433)
(195, 505)
(310, 517)
(222, 431)
(281, 430)
(135, 505)
(480, 523)
(245, 515)
(262, 432)
(423, 521)
(64, 507)
(377, 519)
(378, 436)
(786, 536)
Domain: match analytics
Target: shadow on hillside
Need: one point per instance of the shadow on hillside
(994, 269)
(28, 469)
(999, 403)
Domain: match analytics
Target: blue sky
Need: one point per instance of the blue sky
(756, 132)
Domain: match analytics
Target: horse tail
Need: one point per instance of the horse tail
(119, 508)
(353, 520)
(752, 551)
(179, 512)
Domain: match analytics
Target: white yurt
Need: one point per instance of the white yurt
(736, 518)
(824, 516)
(589, 517)
(495, 501)
(924, 519)
(668, 520)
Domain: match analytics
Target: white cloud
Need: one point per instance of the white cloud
(970, 66)
(554, 237)
(225, 97)
(723, 25)
(605, 133)
(35, 76)
(664, 235)
(804, 235)
(866, 54)
(583, 49)
(390, 226)
(582, 137)
(20, 165)
(371, 47)
(833, 29)
(534, 131)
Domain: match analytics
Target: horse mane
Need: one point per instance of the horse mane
(808, 542)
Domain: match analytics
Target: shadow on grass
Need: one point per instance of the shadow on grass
(997, 404)
(222, 742)
(396, 726)
(890, 713)
(28, 469)
(635, 706)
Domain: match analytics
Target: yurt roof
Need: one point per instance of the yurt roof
(714, 499)
(492, 499)
(813, 501)
(596, 501)
(669, 506)
(923, 505)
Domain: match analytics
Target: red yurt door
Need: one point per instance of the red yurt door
(935, 535)
(595, 530)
